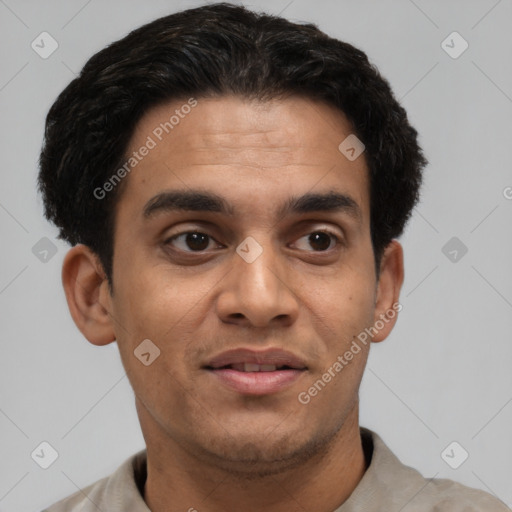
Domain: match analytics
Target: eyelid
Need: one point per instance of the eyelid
(190, 226)
(319, 225)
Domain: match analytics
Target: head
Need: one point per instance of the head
(241, 116)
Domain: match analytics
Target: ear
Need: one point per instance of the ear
(88, 295)
(387, 303)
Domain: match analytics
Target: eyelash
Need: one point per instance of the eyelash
(336, 238)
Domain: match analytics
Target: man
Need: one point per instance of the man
(233, 185)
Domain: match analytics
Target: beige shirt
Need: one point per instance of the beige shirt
(387, 486)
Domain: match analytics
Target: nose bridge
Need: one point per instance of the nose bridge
(258, 289)
(257, 267)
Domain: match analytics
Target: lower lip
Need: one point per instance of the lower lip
(257, 383)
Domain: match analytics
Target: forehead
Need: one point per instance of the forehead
(241, 149)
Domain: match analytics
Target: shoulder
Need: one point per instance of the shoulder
(446, 495)
(78, 501)
(390, 484)
(111, 493)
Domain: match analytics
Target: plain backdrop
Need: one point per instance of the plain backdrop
(444, 373)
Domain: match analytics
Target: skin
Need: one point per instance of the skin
(210, 447)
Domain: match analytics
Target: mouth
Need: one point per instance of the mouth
(252, 367)
(250, 372)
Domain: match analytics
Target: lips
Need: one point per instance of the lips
(253, 372)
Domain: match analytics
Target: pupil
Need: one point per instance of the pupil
(320, 241)
(197, 241)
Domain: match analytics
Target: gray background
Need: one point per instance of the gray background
(443, 375)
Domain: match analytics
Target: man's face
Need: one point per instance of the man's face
(210, 308)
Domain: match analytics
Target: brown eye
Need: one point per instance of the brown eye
(197, 241)
(191, 241)
(318, 241)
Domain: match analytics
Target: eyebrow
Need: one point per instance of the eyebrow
(199, 201)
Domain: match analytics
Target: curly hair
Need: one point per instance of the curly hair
(213, 51)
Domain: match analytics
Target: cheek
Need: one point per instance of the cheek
(148, 299)
(166, 308)
(348, 301)
(147, 307)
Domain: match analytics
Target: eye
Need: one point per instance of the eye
(319, 240)
(190, 241)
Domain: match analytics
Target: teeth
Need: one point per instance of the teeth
(252, 367)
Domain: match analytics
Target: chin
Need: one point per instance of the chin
(255, 456)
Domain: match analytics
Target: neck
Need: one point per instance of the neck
(179, 480)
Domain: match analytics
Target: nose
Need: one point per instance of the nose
(258, 293)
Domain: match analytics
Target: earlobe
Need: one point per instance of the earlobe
(85, 286)
(389, 285)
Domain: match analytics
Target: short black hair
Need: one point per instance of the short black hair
(213, 51)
